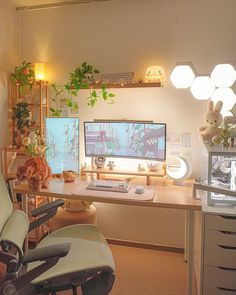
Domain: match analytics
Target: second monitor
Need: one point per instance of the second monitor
(131, 139)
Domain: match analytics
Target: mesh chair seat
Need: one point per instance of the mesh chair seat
(89, 253)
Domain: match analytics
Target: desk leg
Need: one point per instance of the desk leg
(148, 180)
(25, 209)
(190, 255)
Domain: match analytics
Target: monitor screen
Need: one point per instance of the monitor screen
(62, 141)
(125, 139)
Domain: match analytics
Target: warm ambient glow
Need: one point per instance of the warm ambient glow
(182, 76)
(39, 69)
(202, 87)
(155, 74)
(223, 75)
(227, 96)
(180, 171)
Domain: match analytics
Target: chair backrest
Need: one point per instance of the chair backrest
(6, 206)
(13, 225)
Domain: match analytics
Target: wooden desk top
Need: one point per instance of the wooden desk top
(167, 195)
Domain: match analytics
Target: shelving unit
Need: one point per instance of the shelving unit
(37, 99)
(11, 157)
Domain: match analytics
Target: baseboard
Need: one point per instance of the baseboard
(144, 245)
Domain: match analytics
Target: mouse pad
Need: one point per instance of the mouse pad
(148, 195)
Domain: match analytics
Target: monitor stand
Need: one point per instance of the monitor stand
(115, 171)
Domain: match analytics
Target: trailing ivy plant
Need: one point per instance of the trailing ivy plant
(81, 78)
(23, 76)
(21, 115)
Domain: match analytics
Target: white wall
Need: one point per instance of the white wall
(7, 61)
(126, 35)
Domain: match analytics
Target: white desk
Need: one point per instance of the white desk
(167, 196)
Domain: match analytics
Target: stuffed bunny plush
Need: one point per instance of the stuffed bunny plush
(213, 121)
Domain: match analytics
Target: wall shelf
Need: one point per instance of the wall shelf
(125, 85)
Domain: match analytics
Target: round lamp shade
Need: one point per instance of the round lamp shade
(182, 76)
(227, 96)
(181, 170)
(223, 75)
(202, 87)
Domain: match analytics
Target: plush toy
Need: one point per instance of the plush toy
(36, 171)
(213, 120)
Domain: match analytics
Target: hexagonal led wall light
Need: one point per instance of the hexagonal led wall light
(227, 96)
(223, 75)
(182, 76)
(202, 87)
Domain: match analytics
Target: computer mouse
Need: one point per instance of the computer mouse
(139, 190)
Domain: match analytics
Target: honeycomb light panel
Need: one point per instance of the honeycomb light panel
(223, 75)
(182, 76)
(202, 87)
(227, 96)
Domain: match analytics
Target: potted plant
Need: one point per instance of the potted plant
(23, 76)
(81, 78)
(21, 115)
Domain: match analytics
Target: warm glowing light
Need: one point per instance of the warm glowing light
(202, 87)
(182, 76)
(227, 96)
(39, 69)
(180, 171)
(155, 74)
(223, 75)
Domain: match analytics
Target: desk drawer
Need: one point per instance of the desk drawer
(220, 255)
(220, 222)
(224, 238)
(219, 281)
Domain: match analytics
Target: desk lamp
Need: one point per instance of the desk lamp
(180, 171)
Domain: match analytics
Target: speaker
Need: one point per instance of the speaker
(100, 162)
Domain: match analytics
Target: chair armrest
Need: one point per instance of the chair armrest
(44, 253)
(46, 208)
(44, 213)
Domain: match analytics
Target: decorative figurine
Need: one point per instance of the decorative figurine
(140, 167)
(152, 165)
(69, 176)
(213, 120)
(111, 165)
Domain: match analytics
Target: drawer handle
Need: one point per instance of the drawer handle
(228, 232)
(226, 289)
(228, 217)
(227, 247)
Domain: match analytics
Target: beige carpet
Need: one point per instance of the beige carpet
(147, 272)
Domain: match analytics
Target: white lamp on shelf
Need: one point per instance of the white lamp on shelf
(39, 69)
(182, 76)
(154, 74)
(179, 171)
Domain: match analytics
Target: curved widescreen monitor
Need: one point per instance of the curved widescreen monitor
(131, 139)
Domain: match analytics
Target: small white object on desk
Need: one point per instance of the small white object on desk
(139, 190)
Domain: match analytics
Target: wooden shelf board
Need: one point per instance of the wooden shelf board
(125, 85)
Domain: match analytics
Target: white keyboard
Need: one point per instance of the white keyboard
(120, 186)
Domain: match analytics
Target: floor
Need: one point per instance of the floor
(147, 272)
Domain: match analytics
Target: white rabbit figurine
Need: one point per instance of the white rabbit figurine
(213, 121)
